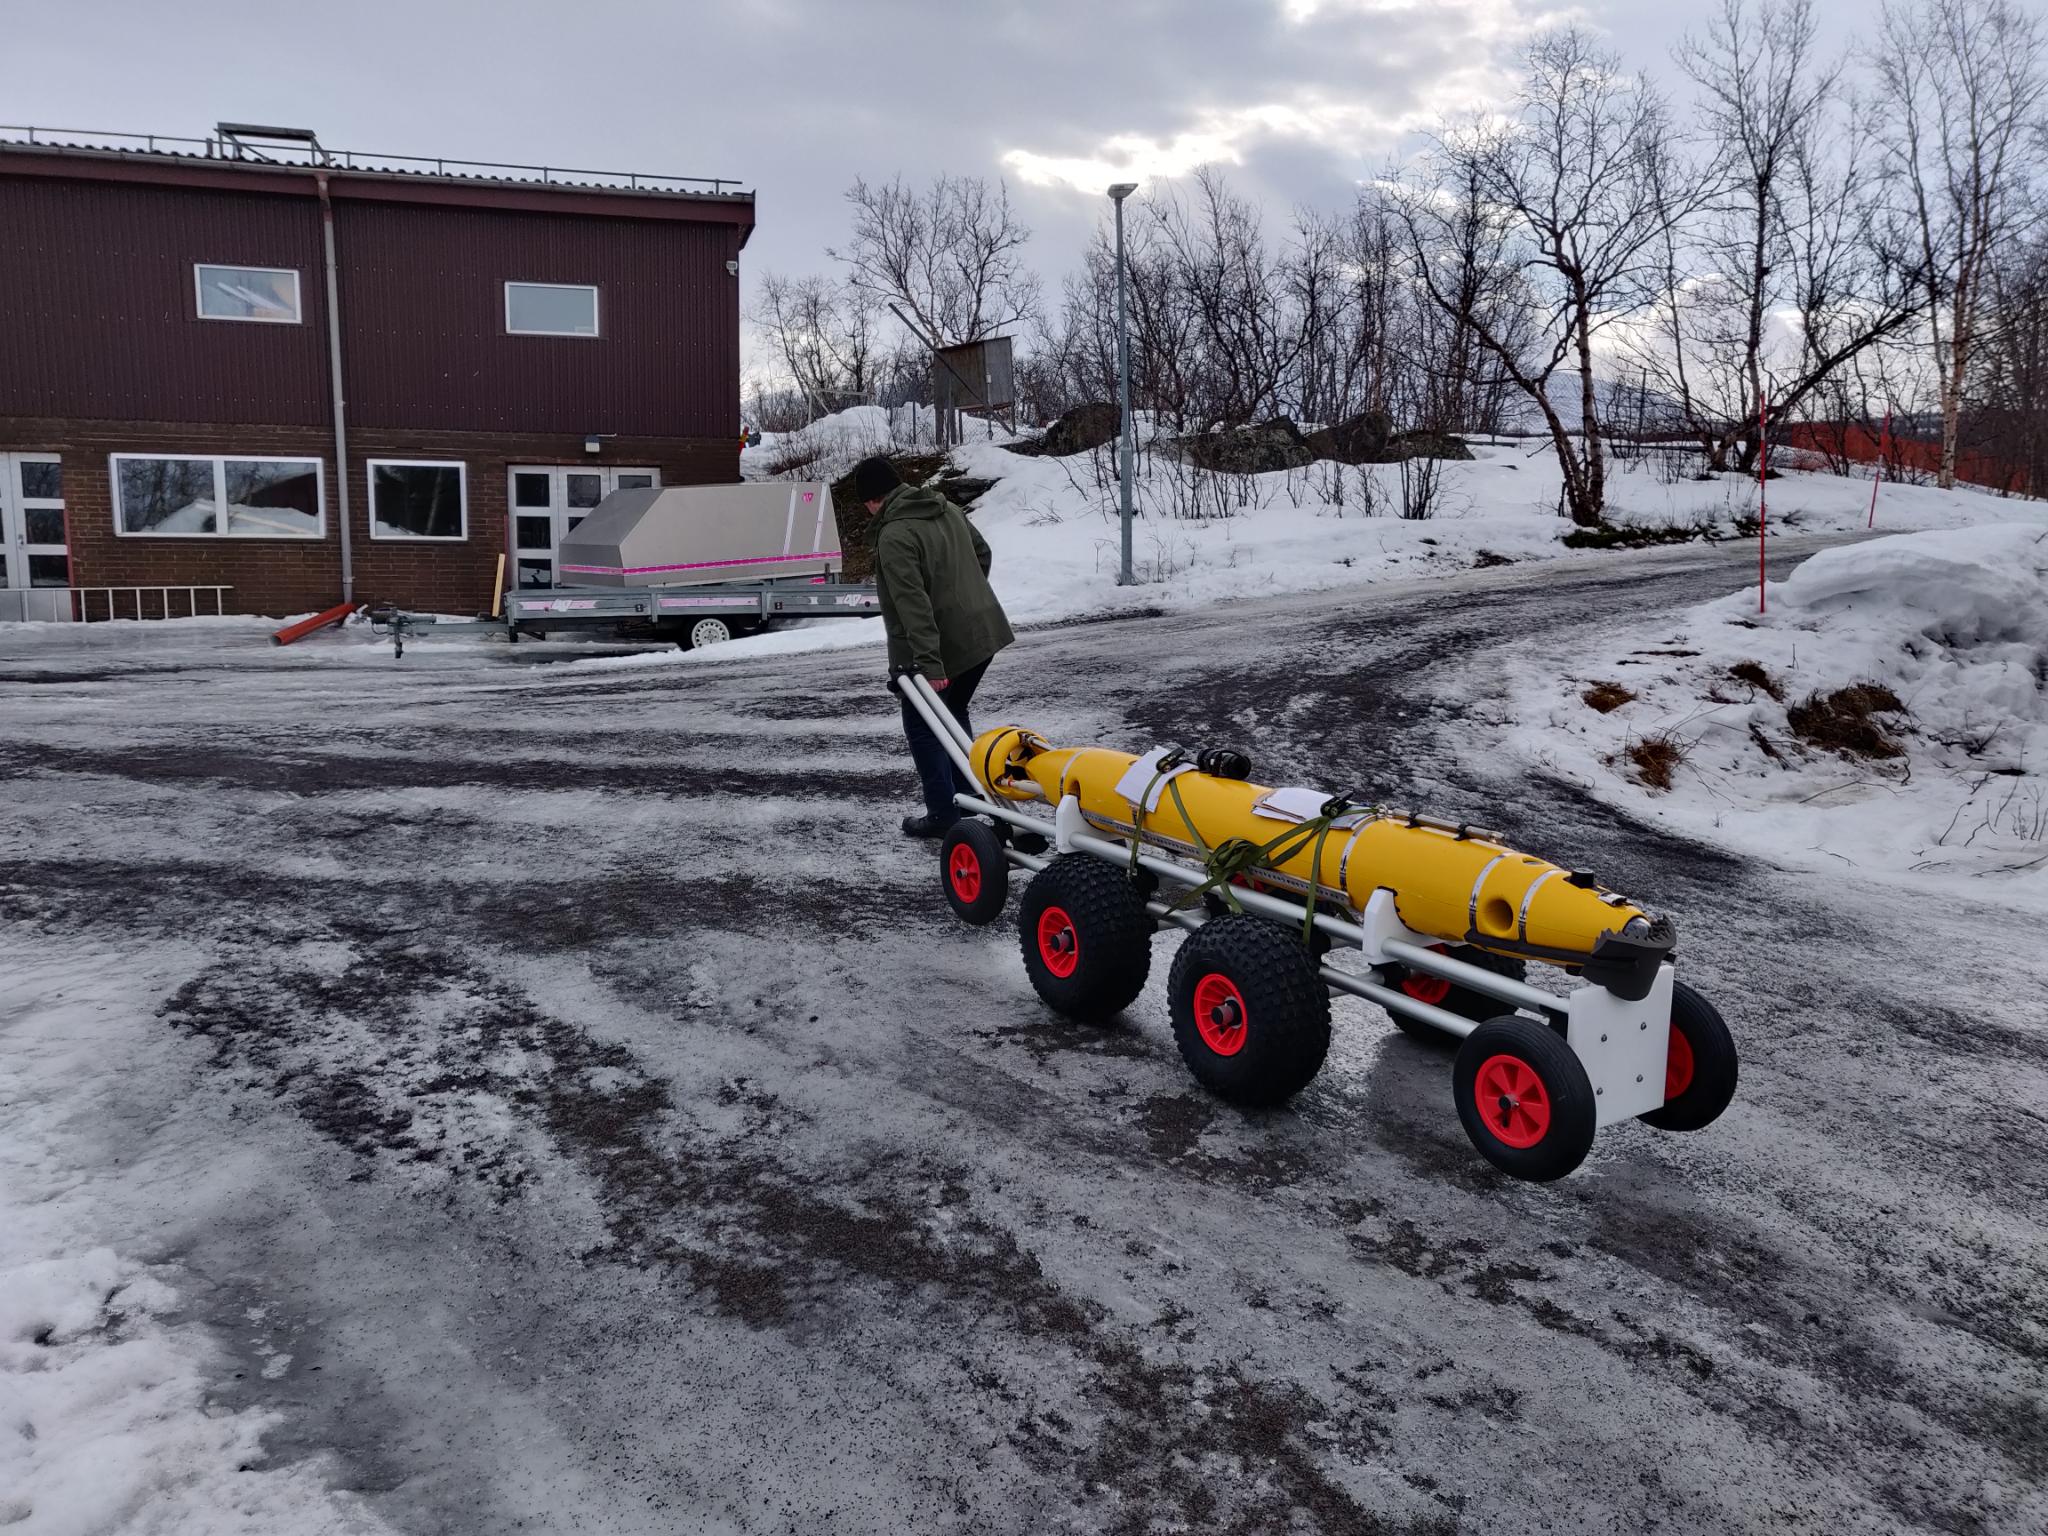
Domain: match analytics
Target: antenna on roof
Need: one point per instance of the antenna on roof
(243, 141)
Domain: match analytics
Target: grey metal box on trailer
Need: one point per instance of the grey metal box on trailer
(690, 534)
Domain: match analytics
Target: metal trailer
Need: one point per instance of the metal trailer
(694, 563)
(691, 616)
(1615, 1059)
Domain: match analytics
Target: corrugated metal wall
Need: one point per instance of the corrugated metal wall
(97, 315)
(423, 312)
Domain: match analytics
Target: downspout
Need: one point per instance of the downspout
(348, 574)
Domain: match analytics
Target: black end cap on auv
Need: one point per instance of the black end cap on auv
(1626, 963)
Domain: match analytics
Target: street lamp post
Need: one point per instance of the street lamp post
(1126, 433)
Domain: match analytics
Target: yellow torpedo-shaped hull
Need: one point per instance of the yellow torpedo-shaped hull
(1448, 883)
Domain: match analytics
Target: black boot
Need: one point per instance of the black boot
(926, 826)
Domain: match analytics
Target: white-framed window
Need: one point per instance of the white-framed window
(266, 295)
(217, 496)
(419, 499)
(550, 309)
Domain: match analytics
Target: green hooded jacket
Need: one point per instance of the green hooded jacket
(931, 573)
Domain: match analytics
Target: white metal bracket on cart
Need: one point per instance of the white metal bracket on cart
(1621, 1045)
(1381, 922)
(1068, 823)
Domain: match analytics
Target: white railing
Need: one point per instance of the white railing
(61, 605)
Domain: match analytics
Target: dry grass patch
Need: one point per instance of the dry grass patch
(1607, 697)
(1753, 673)
(1841, 721)
(1656, 758)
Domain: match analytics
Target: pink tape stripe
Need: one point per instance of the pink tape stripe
(694, 565)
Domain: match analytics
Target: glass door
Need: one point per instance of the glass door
(549, 500)
(33, 550)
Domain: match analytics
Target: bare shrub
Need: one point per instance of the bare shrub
(1422, 483)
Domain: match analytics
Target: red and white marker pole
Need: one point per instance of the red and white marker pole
(1884, 448)
(1763, 468)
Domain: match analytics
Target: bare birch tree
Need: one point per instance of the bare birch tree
(826, 336)
(952, 254)
(1961, 86)
(1572, 189)
(1789, 238)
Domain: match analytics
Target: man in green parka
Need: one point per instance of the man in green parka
(941, 616)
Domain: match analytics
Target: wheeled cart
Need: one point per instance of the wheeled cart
(1289, 895)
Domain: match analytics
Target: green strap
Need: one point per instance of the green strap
(1238, 856)
(1235, 857)
(1167, 766)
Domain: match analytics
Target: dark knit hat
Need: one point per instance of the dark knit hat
(875, 478)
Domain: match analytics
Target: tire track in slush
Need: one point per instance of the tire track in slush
(1132, 1308)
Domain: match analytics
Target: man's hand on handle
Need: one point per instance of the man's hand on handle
(937, 682)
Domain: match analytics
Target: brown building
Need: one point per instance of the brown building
(508, 344)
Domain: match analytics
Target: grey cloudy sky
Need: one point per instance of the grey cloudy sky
(1301, 98)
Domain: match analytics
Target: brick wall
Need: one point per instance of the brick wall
(281, 576)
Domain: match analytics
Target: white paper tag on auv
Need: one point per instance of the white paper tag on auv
(1299, 804)
(1144, 778)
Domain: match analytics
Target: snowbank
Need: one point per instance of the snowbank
(106, 1422)
(1204, 539)
(1932, 766)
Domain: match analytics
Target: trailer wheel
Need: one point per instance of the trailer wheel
(1448, 995)
(1087, 938)
(1525, 1100)
(1250, 1013)
(975, 872)
(1699, 1068)
(704, 631)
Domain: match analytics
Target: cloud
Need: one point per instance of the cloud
(1216, 137)
(1350, 78)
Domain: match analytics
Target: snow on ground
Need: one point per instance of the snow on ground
(106, 1414)
(1200, 539)
(1933, 766)
(754, 1207)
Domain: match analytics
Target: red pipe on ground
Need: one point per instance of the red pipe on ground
(305, 627)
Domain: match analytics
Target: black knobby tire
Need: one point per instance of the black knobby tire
(1250, 1013)
(1700, 1066)
(974, 872)
(1524, 1098)
(1087, 938)
(1449, 996)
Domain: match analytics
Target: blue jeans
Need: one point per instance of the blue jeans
(936, 771)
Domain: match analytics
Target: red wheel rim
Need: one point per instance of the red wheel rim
(1426, 989)
(1220, 1014)
(1513, 1103)
(1058, 945)
(1677, 1065)
(964, 870)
